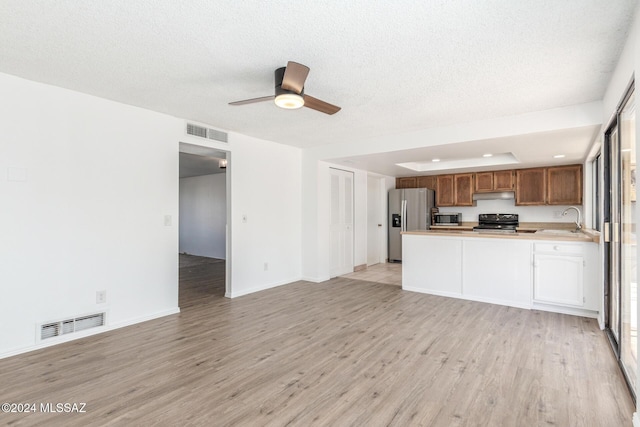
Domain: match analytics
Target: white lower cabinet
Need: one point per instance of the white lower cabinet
(564, 277)
(558, 279)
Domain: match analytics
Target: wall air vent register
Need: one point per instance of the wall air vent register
(208, 133)
(69, 326)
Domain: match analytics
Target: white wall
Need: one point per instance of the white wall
(265, 187)
(89, 215)
(203, 215)
(525, 213)
(100, 178)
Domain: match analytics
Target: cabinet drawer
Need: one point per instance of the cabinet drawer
(559, 248)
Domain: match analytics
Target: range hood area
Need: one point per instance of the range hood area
(497, 195)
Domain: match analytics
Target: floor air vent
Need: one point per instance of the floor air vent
(203, 132)
(69, 326)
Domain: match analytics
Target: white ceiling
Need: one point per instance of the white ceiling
(393, 67)
(530, 150)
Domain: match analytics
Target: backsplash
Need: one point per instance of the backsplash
(526, 213)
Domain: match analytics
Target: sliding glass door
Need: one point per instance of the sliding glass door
(620, 235)
(628, 260)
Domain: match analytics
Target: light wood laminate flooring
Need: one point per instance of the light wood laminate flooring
(339, 353)
(389, 273)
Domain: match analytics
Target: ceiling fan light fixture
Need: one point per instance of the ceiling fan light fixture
(289, 101)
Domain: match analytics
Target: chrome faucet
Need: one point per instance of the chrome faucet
(579, 220)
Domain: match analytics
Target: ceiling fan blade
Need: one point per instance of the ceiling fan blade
(253, 100)
(318, 105)
(294, 77)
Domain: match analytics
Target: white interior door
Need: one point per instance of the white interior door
(375, 221)
(341, 222)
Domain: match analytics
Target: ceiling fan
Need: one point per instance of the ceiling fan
(289, 94)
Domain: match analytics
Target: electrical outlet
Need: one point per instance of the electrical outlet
(101, 297)
(557, 214)
(266, 266)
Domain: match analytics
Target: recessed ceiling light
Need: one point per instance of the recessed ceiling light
(558, 156)
(487, 155)
(435, 160)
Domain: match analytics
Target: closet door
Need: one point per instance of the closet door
(341, 222)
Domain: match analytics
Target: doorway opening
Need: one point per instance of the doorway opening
(203, 230)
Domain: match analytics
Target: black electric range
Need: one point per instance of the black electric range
(501, 223)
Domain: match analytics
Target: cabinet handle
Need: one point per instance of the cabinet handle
(607, 236)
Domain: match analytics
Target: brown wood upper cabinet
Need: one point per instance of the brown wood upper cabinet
(463, 188)
(445, 190)
(407, 182)
(531, 186)
(503, 180)
(430, 182)
(454, 190)
(557, 185)
(564, 185)
(494, 181)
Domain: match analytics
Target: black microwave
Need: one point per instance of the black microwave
(447, 218)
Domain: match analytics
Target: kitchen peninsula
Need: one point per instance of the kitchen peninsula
(551, 270)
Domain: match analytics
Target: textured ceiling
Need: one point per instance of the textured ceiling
(392, 66)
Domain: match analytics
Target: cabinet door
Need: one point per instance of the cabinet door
(406, 182)
(564, 185)
(484, 182)
(503, 180)
(463, 186)
(444, 190)
(557, 279)
(531, 186)
(430, 182)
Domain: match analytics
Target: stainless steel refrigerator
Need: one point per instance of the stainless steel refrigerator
(409, 210)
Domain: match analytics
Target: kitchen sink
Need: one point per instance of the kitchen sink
(559, 232)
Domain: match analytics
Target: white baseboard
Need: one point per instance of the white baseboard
(89, 332)
(235, 294)
(315, 279)
(636, 420)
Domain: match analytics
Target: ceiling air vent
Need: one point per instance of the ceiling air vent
(203, 132)
(69, 326)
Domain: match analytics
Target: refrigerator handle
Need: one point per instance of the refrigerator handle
(404, 215)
